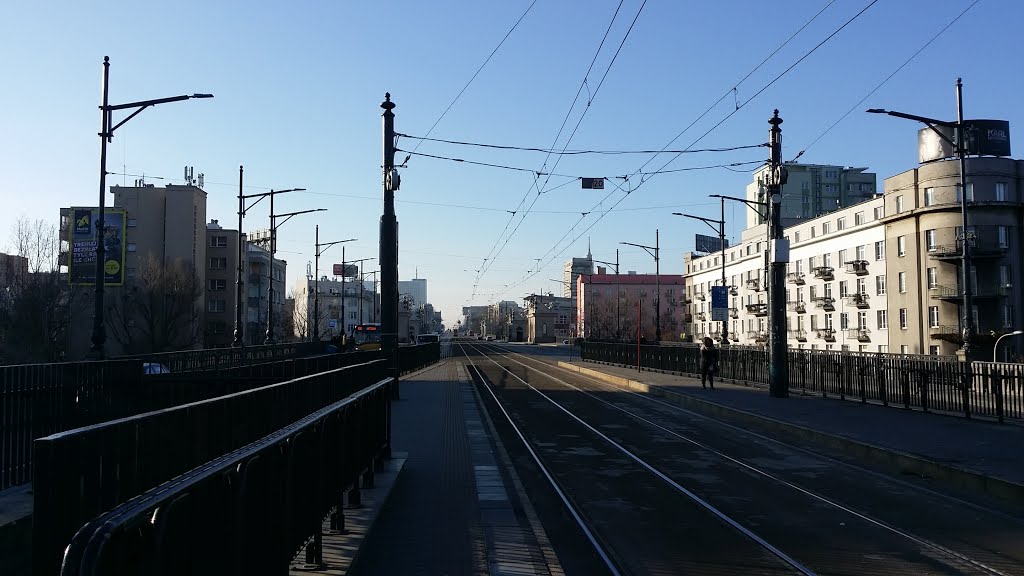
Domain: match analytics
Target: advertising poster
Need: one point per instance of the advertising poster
(82, 239)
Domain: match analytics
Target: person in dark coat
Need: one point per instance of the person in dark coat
(708, 363)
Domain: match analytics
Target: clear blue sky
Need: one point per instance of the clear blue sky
(298, 87)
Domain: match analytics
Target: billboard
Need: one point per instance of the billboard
(984, 138)
(347, 270)
(708, 244)
(82, 239)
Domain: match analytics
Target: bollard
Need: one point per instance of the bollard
(314, 551)
(338, 516)
(997, 387)
(966, 384)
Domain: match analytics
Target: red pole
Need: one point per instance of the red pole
(639, 330)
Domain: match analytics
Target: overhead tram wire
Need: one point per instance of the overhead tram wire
(477, 73)
(559, 134)
(739, 106)
(887, 78)
(577, 152)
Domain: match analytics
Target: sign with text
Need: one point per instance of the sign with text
(348, 270)
(719, 303)
(708, 244)
(82, 234)
(593, 183)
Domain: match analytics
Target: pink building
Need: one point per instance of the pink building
(608, 306)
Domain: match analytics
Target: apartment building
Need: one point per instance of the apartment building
(361, 305)
(812, 190)
(220, 285)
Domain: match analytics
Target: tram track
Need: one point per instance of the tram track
(800, 528)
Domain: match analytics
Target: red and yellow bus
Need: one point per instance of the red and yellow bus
(366, 337)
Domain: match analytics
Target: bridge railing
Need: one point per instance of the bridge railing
(249, 511)
(81, 473)
(928, 383)
(220, 358)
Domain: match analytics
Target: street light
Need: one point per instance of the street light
(657, 280)
(273, 249)
(965, 255)
(320, 249)
(99, 333)
(344, 265)
(242, 211)
(721, 238)
(996, 347)
(618, 296)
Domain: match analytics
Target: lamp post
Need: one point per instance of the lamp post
(320, 249)
(657, 280)
(242, 211)
(720, 229)
(965, 256)
(389, 245)
(753, 205)
(996, 347)
(273, 249)
(99, 332)
(344, 266)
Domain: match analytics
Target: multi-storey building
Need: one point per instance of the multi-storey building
(337, 315)
(416, 289)
(262, 269)
(812, 190)
(220, 286)
(883, 275)
(606, 305)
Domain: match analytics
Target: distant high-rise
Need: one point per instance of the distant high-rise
(572, 269)
(416, 289)
(812, 190)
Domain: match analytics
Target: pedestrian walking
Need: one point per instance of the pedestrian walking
(708, 363)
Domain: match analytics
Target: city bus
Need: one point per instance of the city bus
(427, 338)
(366, 337)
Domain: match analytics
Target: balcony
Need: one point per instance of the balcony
(978, 293)
(826, 303)
(795, 278)
(826, 334)
(950, 333)
(686, 300)
(757, 309)
(734, 337)
(796, 306)
(757, 335)
(700, 296)
(701, 317)
(754, 284)
(734, 313)
(984, 244)
(862, 334)
(858, 267)
(858, 300)
(733, 291)
(715, 335)
(687, 317)
(823, 272)
(799, 335)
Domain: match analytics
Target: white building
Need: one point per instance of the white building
(360, 306)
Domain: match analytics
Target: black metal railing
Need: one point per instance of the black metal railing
(928, 383)
(81, 473)
(220, 358)
(415, 357)
(249, 511)
(41, 399)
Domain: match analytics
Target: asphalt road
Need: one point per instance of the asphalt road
(817, 512)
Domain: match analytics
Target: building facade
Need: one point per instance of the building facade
(608, 306)
(220, 285)
(812, 190)
(342, 306)
(416, 289)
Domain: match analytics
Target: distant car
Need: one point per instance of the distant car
(490, 337)
(154, 368)
(565, 341)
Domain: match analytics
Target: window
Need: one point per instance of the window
(814, 322)
(132, 222)
(859, 251)
(883, 319)
(831, 174)
(814, 292)
(830, 188)
(842, 257)
(811, 261)
(844, 288)
(879, 212)
(844, 321)
(899, 204)
(218, 241)
(880, 250)
(902, 280)
(828, 290)
(1004, 276)
(880, 285)
(131, 247)
(1000, 192)
(929, 240)
(933, 350)
(218, 263)
(130, 271)
(858, 218)
(826, 259)
(970, 192)
(826, 227)
(218, 284)
(215, 327)
(904, 349)
(828, 321)
(901, 246)
(800, 267)
(799, 293)
(1007, 315)
(841, 224)
(883, 348)
(1004, 237)
(862, 287)
(215, 306)
(929, 196)
(903, 318)
(812, 232)
(933, 316)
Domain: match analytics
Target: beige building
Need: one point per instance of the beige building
(220, 286)
(263, 269)
(361, 305)
(884, 275)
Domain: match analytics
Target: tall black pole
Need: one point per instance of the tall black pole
(238, 341)
(316, 287)
(362, 285)
(965, 264)
(374, 308)
(721, 240)
(270, 276)
(389, 245)
(778, 365)
(657, 283)
(344, 326)
(99, 333)
(618, 296)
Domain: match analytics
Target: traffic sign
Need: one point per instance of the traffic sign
(719, 303)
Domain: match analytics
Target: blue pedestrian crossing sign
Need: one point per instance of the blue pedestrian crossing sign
(719, 303)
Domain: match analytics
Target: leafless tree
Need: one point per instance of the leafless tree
(157, 310)
(33, 295)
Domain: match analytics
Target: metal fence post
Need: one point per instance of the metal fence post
(968, 383)
(860, 374)
(923, 386)
(997, 387)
